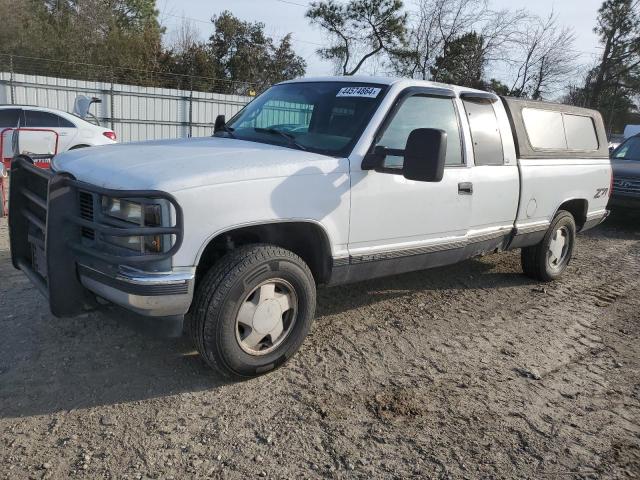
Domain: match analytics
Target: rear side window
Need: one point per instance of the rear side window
(581, 132)
(545, 129)
(485, 132)
(551, 130)
(39, 119)
(9, 117)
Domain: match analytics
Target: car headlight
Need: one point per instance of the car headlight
(136, 213)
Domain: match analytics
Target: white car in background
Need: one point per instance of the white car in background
(73, 132)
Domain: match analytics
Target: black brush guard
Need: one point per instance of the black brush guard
(45, 232)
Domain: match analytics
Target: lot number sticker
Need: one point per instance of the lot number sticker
(367, 92)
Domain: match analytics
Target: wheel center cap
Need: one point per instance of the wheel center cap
(267, 316)
(557, 244)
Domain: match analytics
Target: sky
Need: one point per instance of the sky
(287, 16)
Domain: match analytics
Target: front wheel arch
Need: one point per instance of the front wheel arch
(307, 239)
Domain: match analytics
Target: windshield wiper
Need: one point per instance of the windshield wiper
(291, 139)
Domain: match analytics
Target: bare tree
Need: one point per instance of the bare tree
(546, 62)
(438, 23)
(185, 37)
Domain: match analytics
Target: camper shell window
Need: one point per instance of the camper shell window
(553, 131)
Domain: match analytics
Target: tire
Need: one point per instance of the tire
(76, 147)
(3, 205)
(234, 286)
(540, 262)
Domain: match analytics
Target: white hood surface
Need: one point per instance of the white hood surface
(174, 165)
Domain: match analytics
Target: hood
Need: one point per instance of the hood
(626, 168)
(173, 165)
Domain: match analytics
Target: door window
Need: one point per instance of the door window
(40, 119)
(9, 117)
(422, 112)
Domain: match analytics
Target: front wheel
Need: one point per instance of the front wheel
(252, 310)
(550, 258)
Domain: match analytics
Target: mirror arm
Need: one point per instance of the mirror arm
(374, 160)
(371, 161)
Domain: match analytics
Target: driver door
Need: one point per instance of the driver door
(405, 224)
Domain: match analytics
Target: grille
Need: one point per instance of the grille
(86, 212)
(627, 186)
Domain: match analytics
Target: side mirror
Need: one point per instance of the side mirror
(425, 155)
(220, 122)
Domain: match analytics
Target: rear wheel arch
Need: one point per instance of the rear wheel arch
(307, 239)
(578, 208)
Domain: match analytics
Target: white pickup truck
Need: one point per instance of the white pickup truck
(317, 181)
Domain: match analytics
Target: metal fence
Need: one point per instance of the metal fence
(133, 112)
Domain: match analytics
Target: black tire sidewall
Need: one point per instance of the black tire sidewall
(220, 326)
(562, 219)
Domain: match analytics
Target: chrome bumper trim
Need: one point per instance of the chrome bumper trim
(601, 215)
(149, 294)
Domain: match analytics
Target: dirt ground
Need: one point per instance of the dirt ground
(470, 371)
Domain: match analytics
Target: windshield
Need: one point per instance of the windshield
(322, 117)
(629, 150)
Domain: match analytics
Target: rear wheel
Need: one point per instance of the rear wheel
(252, 310)
(550, 258)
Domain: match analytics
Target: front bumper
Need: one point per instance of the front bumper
(48, 228)
(151, 294)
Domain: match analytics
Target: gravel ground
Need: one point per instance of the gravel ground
(470, 371)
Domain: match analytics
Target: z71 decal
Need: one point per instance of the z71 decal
(601, 192)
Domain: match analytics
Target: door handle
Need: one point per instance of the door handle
(465, 188)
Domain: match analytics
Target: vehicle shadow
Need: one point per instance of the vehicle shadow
(622, 224)
(474, 274)
(49, 365)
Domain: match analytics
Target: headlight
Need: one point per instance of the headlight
(139, 214)
(122, 209)
(143, 214)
